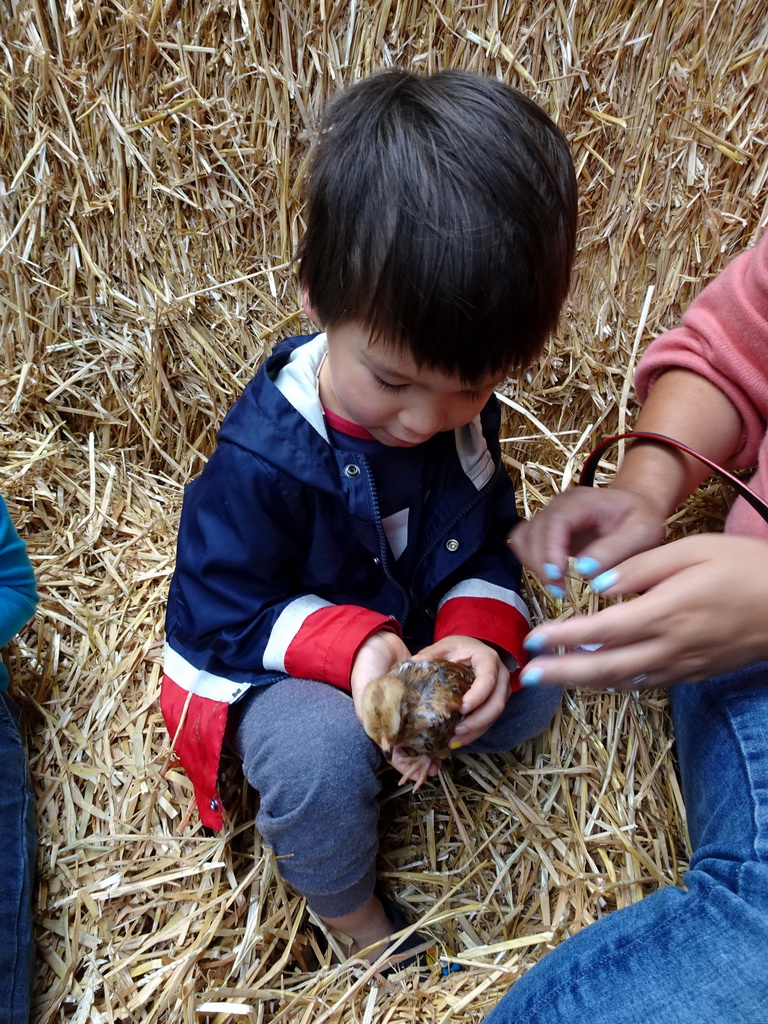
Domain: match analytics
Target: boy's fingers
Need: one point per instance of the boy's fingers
(478, 692)
(484, 715)
(482, 690)
(464, 738)
(469, 724)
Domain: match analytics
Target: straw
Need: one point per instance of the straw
(152, 156)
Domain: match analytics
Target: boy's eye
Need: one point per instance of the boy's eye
(385, 386)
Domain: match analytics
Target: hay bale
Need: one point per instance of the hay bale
(151, 163)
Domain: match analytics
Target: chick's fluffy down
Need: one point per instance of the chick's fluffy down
(433, 696)
(417, 706)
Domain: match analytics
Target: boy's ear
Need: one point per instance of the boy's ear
(307, 306)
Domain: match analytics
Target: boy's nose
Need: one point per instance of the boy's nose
(423, 421)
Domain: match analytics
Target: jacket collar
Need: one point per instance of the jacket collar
(264, 419)
(297, 382)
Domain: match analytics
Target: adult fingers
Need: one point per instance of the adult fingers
(647, 569)
(542, 545)
(617, 545)
(602, 527)
(632, 667)
(629, 622)
(617, 625)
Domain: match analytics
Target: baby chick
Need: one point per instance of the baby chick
(416, 708)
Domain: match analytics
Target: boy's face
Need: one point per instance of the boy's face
(382, 389)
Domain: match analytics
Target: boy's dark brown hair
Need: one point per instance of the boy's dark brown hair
(442, 215)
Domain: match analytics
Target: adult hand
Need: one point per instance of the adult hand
(600, 526)
(375, 658)
(700, 613)
(486, 698)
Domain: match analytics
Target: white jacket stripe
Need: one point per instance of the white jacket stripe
(198, 681)
(289, 622)
(481, 588)
(475, 459)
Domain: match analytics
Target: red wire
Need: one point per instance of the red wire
(587, 476)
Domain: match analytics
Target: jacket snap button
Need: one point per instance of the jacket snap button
(452, 544)
(351, 470)
(214, 805)
(377, 561)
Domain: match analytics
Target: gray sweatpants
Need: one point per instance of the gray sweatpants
(315, 770)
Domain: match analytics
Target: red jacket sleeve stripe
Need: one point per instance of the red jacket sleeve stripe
(326, 644)
(504, 624)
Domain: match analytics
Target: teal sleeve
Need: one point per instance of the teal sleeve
(18, 595)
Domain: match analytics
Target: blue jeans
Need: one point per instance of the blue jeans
(18, 850)
(692, 955)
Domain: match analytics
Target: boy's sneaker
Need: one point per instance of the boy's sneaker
(417, 950)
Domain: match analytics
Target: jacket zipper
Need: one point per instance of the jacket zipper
(383, 544)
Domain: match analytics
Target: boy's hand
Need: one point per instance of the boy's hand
(601, 526)
(486, 698)
(701, 613)
(375, 658)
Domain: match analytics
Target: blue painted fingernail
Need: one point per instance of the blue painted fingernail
(531, 677)
(586, 566)
(552, 571)
(535, 643)
(557, 592)
(603, 581)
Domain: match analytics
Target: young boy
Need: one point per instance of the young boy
(355, 511)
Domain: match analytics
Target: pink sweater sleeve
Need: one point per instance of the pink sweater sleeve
(724, 337)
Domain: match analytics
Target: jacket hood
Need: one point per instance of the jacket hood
(263, 420)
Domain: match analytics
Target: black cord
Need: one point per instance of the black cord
(587, 477)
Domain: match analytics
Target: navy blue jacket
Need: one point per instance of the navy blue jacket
(283, 566)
